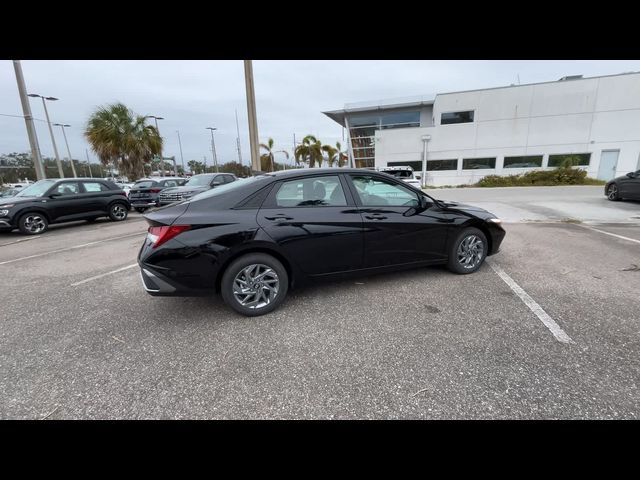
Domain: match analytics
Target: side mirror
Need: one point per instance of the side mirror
(424, 203)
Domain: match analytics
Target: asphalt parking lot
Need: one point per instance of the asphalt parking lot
(548, 328)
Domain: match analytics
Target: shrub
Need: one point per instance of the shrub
(564, 175)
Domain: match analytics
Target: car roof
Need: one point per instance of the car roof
(294, 172)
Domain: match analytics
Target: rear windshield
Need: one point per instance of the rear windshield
(239, 183)
(400, 173)
(145, 184)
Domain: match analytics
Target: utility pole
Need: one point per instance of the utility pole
(73, 168)
(28, 120)
(88, 162)
(251, 110)
(213, 148)
(238, 139)
(181, 157)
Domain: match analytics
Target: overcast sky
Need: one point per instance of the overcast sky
(290, 95)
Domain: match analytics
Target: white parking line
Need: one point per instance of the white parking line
(20, 240)
(90, 279)
(70, 248)
(612, 234)
(555, 329)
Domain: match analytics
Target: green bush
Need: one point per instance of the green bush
(564, 175)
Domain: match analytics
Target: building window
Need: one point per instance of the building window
(528, 161)
(434, 165)
(456, 117)
(400, 120)
(581, 159)
(478, 163)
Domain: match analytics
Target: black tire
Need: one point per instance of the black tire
(236, 268)
(612, 192)
(118, 212)
(141, 209)
(33, 223)
(456, 258)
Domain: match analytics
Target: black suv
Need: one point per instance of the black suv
(196, 184)
(62, 200)
(145, 192)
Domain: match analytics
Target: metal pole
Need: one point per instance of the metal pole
(213, 147)
(251, 110)
(349, 147)
(53, 140)
(181, 157)
(73, 169)
(89, 162)
(238, 139)
(425, 140)
(28, 120)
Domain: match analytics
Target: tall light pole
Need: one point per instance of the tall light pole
(213, 148)
(28, 120)
(158, 130)
(425, 140)
(251, 110)
(238, 140)
(88, 162)
(53, 140)
(181, 157)
(73, 168)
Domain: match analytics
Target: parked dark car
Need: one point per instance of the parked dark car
(626, 187)
(62, 200)
(254, 239)
(196, 184)
(145, 192)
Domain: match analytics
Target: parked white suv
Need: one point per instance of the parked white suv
(405, 173)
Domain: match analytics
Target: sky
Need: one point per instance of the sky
(290, 96)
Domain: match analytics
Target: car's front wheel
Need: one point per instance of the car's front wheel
(612, 192)
(468, 251)
(254, 284)
(118, 212)
(33, 224)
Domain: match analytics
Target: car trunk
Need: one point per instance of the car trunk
(166, 215)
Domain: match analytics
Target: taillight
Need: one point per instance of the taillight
(155, 190)
(160, 235)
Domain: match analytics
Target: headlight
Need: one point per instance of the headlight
(494, 220)
(4, 213)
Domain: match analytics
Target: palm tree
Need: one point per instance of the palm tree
(119, 135)
(309, 151)
(343, 158)
(267, 161)
(332, 154)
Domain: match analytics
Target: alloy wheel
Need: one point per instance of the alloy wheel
(612, 193)
(119, 212)
(256, 286)
(34, 224)
(470, 251)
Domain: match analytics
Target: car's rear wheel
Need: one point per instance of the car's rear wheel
(612, 192)
(118, 212)
(254, 284)
(468, 251)
(141, 209)
(33, 224)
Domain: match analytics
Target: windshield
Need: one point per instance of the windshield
(241, 182)
(199, 181)
(37, 189)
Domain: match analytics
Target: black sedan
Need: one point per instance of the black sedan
(62, 200)
(626, 187)
(254, 239)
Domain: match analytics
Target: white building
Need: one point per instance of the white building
(504, 130)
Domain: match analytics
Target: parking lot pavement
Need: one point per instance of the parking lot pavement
(527, 204)
(81, 339)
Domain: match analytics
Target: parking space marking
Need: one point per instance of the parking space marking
(71, 248)
(20, 240)
(90, 279)
(544, 317)
(612, 234)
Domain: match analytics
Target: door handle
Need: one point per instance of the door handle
(279, 217)
(375, 216)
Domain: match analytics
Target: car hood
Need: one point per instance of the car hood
(16, 200)
(477, 211)
(184, 189)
